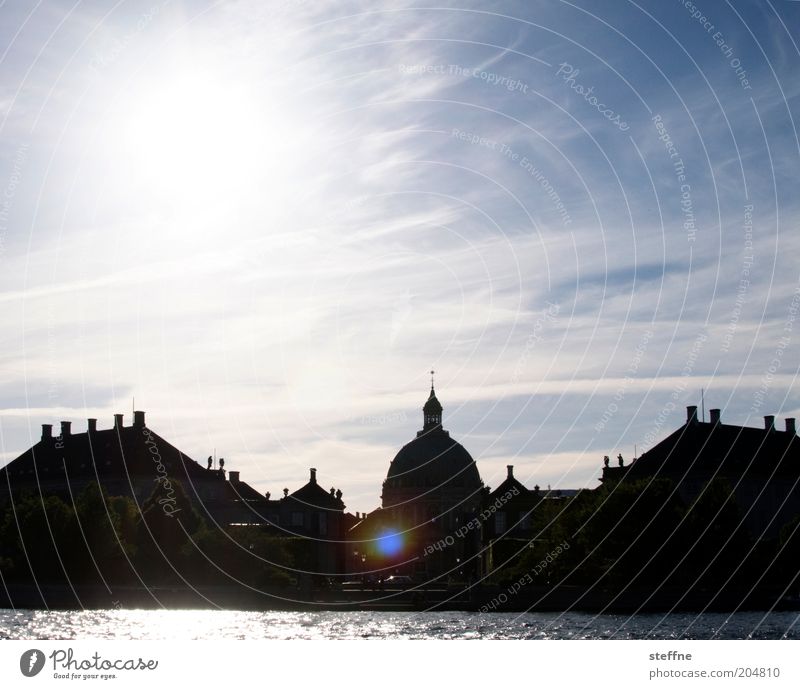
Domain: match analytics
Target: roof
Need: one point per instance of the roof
(126, 451)
(119, 459)
(509, 484)
(314, 495)
(430, 462)
(700, 450)
(244, 491)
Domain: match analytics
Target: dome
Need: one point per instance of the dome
(431, 462)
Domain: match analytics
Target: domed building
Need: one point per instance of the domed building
(432, 478)
(431, 491)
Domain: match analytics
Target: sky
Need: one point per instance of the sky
(265, 223)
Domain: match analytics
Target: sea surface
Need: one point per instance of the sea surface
(219, 624)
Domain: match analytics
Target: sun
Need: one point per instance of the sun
(199, 133)
(191, 134)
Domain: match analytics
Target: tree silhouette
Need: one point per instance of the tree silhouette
(166, 524)
(39, 537)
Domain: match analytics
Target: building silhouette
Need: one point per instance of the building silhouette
(432, 487)
(437, 520)
(125, 460)
(317, 516)
(507, 521)
(761, 466)
(136, 462)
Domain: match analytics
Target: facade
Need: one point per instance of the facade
(317, 517)
(507, 523)
(761, 466)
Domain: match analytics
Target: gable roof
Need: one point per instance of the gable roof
(510, 484)
(314, 495)
(700, 450)
(124, 451)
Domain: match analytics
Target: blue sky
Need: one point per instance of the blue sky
(269, 221)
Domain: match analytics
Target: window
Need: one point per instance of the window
(500, 522)
(297, 519)
(323, 524)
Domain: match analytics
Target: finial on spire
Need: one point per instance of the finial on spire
(432, 372)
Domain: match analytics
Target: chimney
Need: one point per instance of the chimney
(790, 427)
(691, 414)
(138, 419)
(117, 421)
(47, 431)
(91, 425)
(65, 428)
(714, 413)
(233, 476)
(510, 468)
(769, 423)
(313, 477)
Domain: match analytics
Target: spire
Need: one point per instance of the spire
(432, 411)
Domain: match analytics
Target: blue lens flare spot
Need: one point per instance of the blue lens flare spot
(389, 543)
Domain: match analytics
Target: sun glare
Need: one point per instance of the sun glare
(190, 134)
(194, 135)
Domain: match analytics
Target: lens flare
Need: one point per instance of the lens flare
(389, 543)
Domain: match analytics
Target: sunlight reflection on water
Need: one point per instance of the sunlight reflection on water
(221, 624)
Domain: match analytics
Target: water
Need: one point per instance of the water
(220, 624)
